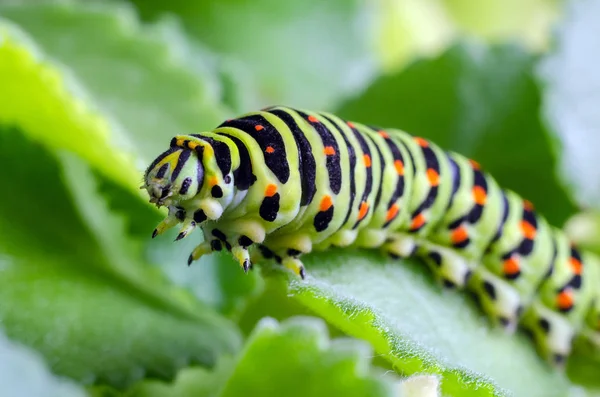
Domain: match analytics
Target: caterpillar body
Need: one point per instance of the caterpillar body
(280, 183)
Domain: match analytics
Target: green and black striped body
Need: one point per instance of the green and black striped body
(281, 182)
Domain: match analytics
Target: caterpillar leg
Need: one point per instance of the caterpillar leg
(451, 269)
(241, 232)
(187, 228)
(341, 238)
(371, 238)
(293, 244)
(295, 265)
(236, 237)
(200, 250)
(204, 248)
(287, 249)
(283, 257)
(238, 243)
(551, 331)
(498, 299)
(209, 208)
(399, 245)
(242, 256)
(173, 218)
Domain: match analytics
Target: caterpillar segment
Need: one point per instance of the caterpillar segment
(280, 183)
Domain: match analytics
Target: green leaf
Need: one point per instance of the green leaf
(584, 363)
(292, 358)
(197, 382)
(421, 328)
(296, 358)
(498, 21)
(72, 289)
(50, 107)
(139, 80)
(148, 89)
(481, 102)
(407, 29)
(571, 99)
(23, 373)
(309, 53)
(273, 301)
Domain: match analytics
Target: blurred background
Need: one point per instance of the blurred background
(92, 91)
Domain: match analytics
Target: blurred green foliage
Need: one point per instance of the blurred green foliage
(90, 92)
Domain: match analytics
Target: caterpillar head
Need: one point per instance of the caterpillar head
(174, 176)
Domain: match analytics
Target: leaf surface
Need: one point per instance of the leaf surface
(296, 358)
(72, 287)
(310, 53)
(136, 83)
(24, 373)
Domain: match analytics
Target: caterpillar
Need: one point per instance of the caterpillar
(281, 182)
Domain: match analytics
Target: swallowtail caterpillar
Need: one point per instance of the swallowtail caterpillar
(280, 183)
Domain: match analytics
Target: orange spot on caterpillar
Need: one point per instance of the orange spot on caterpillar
(511, 266)
(564, 300)
(193, 145)
(362, 211)
(479, 195)
(179, 142)
(576, 265)
(269, 149)
(392, 212)
(213, 181)
(399, 165)
(367, 160)
(459, 235)
(325, 203)
(417, 221)
(270, 190)
(350, 124)
(528, 230)
(259, 127)
(433, 177)
(421, 142)
(313, 119)
(383, 134)
(475, 164)
(329, 151)
(528, 205)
